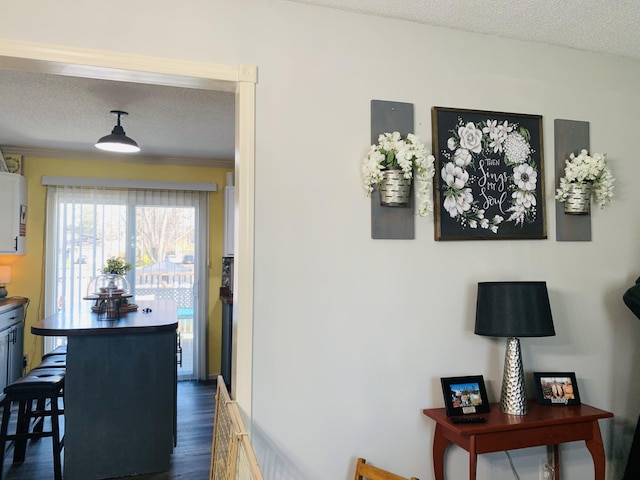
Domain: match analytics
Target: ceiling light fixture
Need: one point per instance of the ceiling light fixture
(118, 141)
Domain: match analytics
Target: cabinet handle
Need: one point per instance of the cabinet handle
(16, 247)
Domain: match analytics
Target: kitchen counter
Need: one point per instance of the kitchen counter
(9, 303)
(82, 321)
(120, 390)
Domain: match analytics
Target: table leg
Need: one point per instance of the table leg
(556, 462)
(473, 457)
(439, 446)
(594, 444)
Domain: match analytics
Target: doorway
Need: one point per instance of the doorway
(240, 79)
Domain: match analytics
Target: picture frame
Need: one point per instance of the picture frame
(489, 180)
(556, 388)
(464, 395)
(14, 163)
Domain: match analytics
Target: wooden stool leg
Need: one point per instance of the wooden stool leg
(41, 404)
(6, 413)
(22, 428)
(55, 427)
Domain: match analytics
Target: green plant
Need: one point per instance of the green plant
(117, 266)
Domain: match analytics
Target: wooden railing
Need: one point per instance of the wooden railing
(167, 279)
(232, 457)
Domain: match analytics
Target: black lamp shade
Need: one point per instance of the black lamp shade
(513, 309)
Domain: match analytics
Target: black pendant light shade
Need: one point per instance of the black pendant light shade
(118, 141)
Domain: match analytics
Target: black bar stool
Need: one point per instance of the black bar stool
(53, 361)
(59, 350)
(39, 385)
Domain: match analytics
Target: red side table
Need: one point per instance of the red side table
(543, 425)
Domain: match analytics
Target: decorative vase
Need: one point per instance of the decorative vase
(579, 200)
(394, 188)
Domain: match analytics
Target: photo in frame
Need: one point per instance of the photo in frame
(489, 180)
(556, 388)
(464, 395)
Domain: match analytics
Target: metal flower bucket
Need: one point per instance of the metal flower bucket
(579, 200)
(394, 189)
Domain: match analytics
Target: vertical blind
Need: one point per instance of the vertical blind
(162, 233)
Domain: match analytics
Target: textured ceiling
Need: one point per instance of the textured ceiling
(63, 116)
(606, 26)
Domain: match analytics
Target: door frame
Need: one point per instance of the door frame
(240, 79)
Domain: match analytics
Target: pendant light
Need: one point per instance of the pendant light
(118, 141)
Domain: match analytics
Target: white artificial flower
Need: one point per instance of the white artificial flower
(408, 155)
(588, 168)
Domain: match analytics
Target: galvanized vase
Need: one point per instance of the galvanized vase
(394, 188)
(579, 200)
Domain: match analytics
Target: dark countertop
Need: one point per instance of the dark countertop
(8, 303)
(226, 296)
(82, 321)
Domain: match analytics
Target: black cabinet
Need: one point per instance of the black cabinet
(11, 342)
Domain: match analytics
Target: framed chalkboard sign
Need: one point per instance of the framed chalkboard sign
(489, 181)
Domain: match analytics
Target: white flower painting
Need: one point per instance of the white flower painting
(489, 174)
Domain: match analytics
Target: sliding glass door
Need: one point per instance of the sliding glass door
(161, 233)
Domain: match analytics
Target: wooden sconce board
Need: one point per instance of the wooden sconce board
(570, 137)
(391, 222)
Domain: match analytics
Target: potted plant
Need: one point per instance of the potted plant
(393, 164)
(114, 275)
(116, 266)
(585, 175)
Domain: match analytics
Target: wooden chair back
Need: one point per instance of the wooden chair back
(364, 471)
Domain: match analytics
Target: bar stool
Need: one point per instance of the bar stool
(38, 385)
(52, 361)
(59, 350)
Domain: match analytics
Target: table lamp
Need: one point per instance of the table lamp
(512, 310)
(5, 277)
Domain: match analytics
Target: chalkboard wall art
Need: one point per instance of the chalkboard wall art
(489, 175)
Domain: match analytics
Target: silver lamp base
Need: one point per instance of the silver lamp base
(513, 398)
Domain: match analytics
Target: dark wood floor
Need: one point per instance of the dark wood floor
(191, 458)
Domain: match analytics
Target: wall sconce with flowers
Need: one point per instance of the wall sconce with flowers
(393, 164)
(585, 175)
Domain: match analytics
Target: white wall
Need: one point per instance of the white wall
(351, 334)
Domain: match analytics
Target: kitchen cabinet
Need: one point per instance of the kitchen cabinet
(11, 341)
(13, 214)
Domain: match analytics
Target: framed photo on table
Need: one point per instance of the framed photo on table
(489, 180)
(464, 395)
(556, 388)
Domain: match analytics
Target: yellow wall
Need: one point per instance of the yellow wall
(27, 273)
